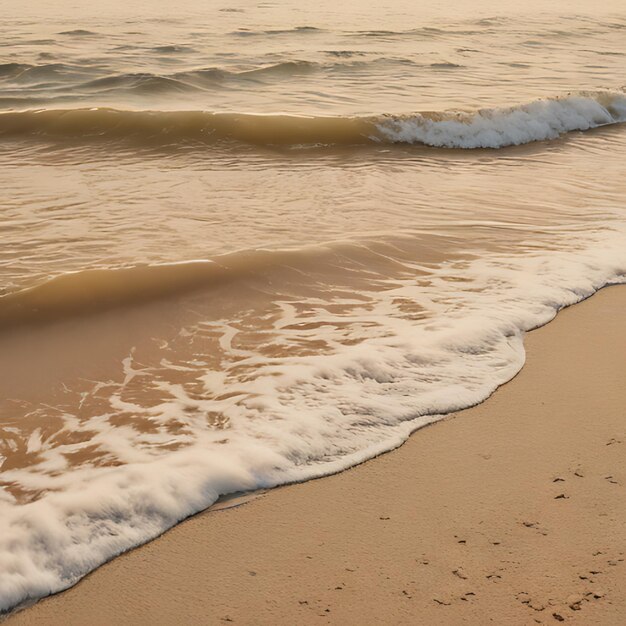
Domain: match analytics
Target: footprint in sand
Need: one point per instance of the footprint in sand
(459, 573)
(535, 526)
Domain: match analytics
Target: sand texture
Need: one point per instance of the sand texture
(512, 512)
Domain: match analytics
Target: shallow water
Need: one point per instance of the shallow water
(252, 244)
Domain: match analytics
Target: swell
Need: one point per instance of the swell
(92, 78)
(203, 78)
(25, 74)
(302, 30)
(540, 120)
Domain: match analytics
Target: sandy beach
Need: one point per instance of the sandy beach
(267, 274)
(512, 512)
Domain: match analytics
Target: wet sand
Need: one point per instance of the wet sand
(512, 512)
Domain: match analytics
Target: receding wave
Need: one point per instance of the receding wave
(92, 291)
(96, 290)
(289, 389)
(540, 120)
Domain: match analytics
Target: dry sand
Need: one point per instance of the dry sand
(512, 512)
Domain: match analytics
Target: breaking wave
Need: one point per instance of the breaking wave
(540, 120)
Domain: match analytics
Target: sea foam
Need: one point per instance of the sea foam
(541, 120)
(296, 417)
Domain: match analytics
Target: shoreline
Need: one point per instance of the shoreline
(501, 512)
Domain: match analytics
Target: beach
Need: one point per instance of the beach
(251, 248)
(510, 512)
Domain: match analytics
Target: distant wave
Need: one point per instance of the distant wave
(8, 70)
(173, 48)
(244, 32)
(138, 82)
(80, 78)
(540, 120)
(79, 32)
(446, 65)
(425, 32)
(23, 73)
(285, 69)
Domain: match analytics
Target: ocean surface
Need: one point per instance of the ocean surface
(251, 243)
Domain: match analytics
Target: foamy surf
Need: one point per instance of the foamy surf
(541, 120)
(288, 415)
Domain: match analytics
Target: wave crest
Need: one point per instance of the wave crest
(497, 128)
(540, 120)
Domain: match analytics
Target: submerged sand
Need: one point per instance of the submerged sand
(512, 512)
